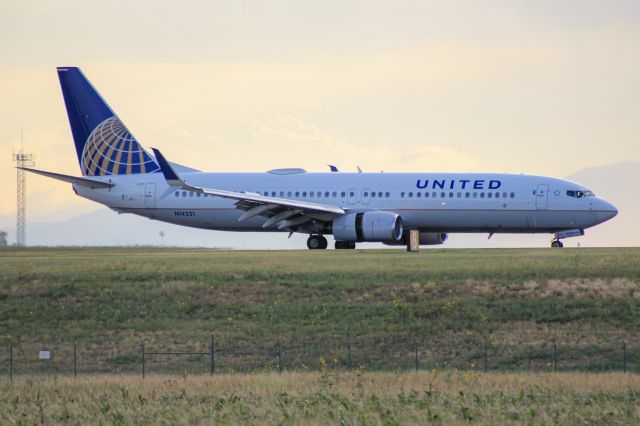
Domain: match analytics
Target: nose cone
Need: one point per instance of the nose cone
(606, 211)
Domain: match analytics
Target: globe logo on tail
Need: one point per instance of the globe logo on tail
(112, 150)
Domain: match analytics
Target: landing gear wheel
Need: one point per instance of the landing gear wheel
(345, 245)
(556, 244)
(317, 242)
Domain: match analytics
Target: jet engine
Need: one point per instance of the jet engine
(374, 226)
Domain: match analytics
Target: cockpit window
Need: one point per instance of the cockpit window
(580, 194)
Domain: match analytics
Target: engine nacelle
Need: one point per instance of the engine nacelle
(426, 239)
(375, 226)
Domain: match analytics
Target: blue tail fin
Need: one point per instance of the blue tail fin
(103, 143)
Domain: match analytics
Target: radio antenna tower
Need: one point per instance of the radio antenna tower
(22, 160)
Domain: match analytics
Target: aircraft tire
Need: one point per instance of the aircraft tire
(345, 245)
(316, 242)
(557, 244)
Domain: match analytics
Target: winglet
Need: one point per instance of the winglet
(170, 175)
(333, 168)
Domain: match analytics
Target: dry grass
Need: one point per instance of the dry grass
(326, 397)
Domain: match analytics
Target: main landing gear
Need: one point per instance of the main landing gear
(556, 244)
(345, 245)
(317, 242)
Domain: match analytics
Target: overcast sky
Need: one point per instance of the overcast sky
(544, 87)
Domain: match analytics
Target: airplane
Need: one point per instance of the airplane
(119, 172)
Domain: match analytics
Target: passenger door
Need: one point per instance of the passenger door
(542, 196)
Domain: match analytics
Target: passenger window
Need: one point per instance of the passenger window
(497, 195)
(190, 194)
(512, 195)
(418, 194)
(504, 195)
(326, 194)
(304, 193)
(402, 195)
(426, 195)
(411, 195)
(475, 195)
(373, 194)
(466, 195)
(311, 194)
(297, 193)
(443, 195)
(352, 194)
(433, 194)
(343, 194)
(289, 194)
(177, 193)
(482, 195)
(490, 194)
(184, 193)
(199, 195)
(459, 195)
(282, 193)
(365, 194)
(387, 195)
(451, 195)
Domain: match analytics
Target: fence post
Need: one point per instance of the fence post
(485, 355)
(142, 349)
(349, 356)
(279, 357)
(213, 355)
(624, 356)
(11, 362)
(555, 355)
(416, 348)
(75, 360)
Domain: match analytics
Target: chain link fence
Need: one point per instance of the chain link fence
(407, 353)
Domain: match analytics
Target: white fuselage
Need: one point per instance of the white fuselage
(431, 202)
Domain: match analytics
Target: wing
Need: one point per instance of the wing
(282, 213)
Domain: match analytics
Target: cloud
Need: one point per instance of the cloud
(295, 140)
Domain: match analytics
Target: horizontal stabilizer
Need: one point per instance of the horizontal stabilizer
(83, 181)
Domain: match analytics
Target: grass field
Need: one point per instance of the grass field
(328, 398)
(111, 300)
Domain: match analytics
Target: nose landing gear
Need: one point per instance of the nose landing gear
(566, 233)
(317, 242)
